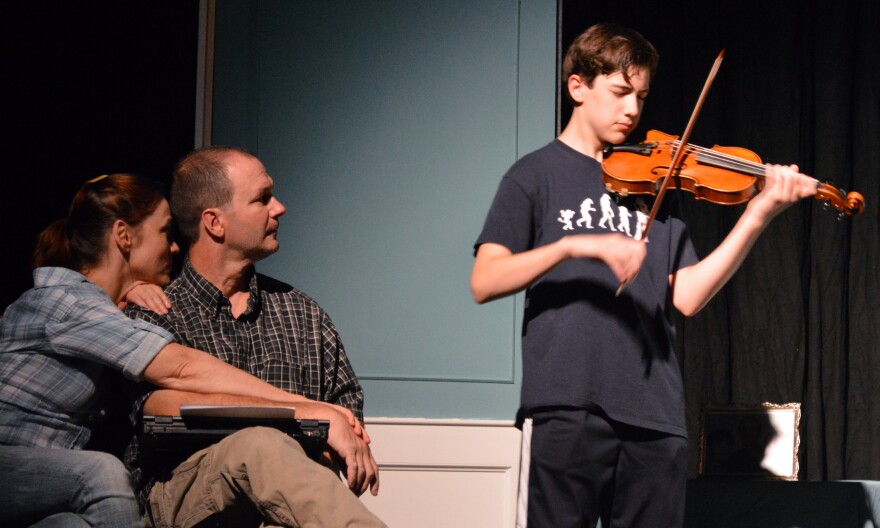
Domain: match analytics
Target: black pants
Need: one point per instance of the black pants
(584, 467)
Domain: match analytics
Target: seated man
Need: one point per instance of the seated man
(225, 211)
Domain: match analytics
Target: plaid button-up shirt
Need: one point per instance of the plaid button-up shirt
(283, 337)
(56, 341)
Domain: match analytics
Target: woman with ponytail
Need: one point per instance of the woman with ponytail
(60, 337)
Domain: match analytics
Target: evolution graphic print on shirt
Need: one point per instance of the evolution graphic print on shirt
(613, 216)
(583, 345)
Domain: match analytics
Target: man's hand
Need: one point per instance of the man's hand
(353, 422)
(349, 447)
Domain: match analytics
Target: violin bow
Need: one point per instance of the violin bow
(685, 137)
(679, 153)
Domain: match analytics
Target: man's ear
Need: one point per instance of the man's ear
(575, 85)
(212, 221)
(122, 236)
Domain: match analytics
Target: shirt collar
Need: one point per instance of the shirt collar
(54, 276)
(211, 297)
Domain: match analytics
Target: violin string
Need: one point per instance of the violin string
(720, 157)
(831, 194)
(725, 160)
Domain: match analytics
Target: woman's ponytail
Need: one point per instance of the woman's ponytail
(79, 241)
(53, 247)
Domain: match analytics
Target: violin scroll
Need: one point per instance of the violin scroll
(851, 204)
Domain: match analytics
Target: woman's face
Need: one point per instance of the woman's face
(152, 247)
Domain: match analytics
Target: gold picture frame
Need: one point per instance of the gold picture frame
(750, 441)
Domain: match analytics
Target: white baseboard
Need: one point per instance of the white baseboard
(443, 473)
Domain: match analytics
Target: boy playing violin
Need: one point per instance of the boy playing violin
(602, 395)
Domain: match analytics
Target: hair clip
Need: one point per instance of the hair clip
(99, 178)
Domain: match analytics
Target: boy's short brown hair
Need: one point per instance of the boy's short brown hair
(606, 48)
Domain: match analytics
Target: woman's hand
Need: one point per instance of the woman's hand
(146, 295)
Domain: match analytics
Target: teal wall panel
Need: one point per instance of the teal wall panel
(387, 125)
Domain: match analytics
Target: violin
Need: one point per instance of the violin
(721, 175)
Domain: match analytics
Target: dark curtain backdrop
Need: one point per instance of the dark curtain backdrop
(800, 321)
(90, 87)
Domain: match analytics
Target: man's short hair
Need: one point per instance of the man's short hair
(606, 48)
(200, 182)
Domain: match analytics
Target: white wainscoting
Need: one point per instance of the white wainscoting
(444, 473)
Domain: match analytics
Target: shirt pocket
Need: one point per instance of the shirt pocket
(291, 376)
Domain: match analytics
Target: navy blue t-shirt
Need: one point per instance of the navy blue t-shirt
(582, 345)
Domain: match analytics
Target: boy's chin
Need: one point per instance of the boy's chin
(616, 139)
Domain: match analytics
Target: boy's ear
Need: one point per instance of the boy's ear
(575, 85)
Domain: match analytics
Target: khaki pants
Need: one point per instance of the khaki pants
(255, 475)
